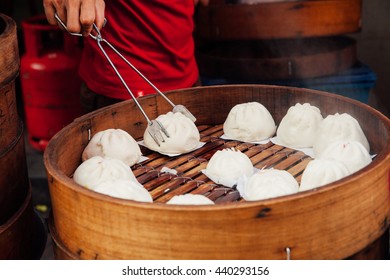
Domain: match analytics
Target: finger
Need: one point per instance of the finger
(61, 12)
(73, 18)
(87, 17)
(49, 12)
(100, 19)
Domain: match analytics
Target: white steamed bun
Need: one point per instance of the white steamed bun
(338, 127)
(227, 165)
(249, 122)
(351, 153)
(268, 183)
(113, 143)
(190, 199)
(96, 170)
(319, 172)
(124, 189)
(183, 135)
(299, 126)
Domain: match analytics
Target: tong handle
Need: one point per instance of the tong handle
(79, 34)
(176, 108)
(99, 39)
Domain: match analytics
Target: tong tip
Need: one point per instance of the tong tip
(181, 109)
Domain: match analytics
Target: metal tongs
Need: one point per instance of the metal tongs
(155, 128)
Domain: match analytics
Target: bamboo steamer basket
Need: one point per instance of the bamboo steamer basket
(260, 60)
(14, 180)
(22, 233)
(282, 19)
(13, 168)
(9, 63)
(378, 249)
(23, 236)
(335, 221)
(60, 251)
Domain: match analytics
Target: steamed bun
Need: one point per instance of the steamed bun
(338, 127)
(183, 135)
(268, 183)
(351, 153)
(299, 126)
(249, 122)
(113, 143)
(319, 172)
(190, 199)
(227, 165)
(97, 170)
(124, 189)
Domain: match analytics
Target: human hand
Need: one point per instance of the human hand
(78, 15)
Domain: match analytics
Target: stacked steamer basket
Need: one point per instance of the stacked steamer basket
(22, 235)
(346, 219)
(280, 42)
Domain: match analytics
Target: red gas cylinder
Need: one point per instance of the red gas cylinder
(49, 79)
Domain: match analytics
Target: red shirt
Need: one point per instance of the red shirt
(155, 36)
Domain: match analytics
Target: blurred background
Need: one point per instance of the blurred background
(372, 42)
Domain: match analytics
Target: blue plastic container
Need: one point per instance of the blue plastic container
(354, 83)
